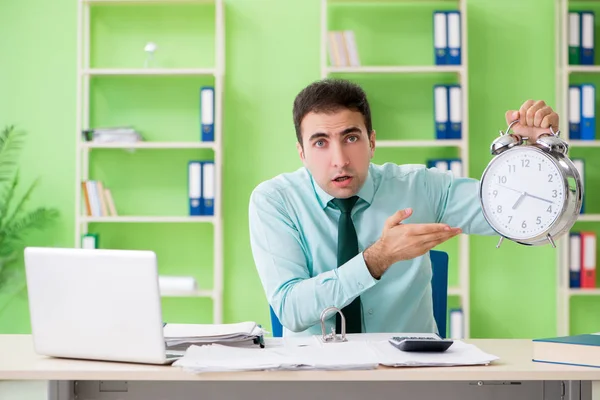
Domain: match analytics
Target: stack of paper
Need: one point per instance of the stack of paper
(338, 356)
(181, 336)
(460, 353)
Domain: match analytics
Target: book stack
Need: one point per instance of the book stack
(581, 38)
(582, 260)
(119, 134)
(342, 49)
(98, 199)
(582, 350)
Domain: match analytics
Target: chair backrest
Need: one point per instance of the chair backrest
(439, 289)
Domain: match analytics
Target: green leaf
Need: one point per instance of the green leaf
(6, 198)
(11, 142)
(17, 212)
(37, 219)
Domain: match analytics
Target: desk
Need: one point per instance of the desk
(512, 377)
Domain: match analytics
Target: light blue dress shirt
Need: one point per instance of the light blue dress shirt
(293, 234)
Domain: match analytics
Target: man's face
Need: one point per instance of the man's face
(337, 150)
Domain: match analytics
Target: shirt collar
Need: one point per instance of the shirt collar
(366, 193)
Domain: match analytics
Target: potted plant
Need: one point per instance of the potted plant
(16, 220)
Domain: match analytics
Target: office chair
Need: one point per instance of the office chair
(439, 288)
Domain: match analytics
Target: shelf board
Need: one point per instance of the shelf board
(588, 218)
(148, 71)
(584, 143)
(583, 68)
(396, 69)
(391, 1)
(129, 2)
(584, 292)
(206, 219)
(150, 145)
(419, 143)
(187, 293)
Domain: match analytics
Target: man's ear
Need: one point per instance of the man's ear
(372, 143)
(300, 151)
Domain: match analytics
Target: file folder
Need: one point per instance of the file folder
(574, 260)
(588, 111)
(440, 93)
(574, 38)
(207, 106)
(455, 111)
(208, 188)
(574, 112)
(194, 187)
(440, 37)
(587, 38)
(454, 38)
(588, 260)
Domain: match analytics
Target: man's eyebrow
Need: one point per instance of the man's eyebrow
(320, 135)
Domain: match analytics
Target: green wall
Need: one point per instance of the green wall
(272, 52)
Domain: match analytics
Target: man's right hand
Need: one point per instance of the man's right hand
(400, 241)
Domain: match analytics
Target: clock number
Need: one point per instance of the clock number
(554, 193)
(512, 168)
(525, 163)
(549, 209)
(502, 179)
(509, 218)
(499, 209)
(523, 225)
(495, 193)
(538, 220)
(549, 177)
(539, 166)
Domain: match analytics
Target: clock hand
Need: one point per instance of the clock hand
(539, 198)
(509, 188)
(519, 200)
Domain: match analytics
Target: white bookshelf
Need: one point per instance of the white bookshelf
(461, 71)
(83, 148)
(564, 292)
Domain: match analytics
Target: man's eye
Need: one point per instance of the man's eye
(319, 143)
(352, 139)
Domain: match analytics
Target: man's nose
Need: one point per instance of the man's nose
(339, 157)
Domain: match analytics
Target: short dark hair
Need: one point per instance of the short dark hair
(330, 95)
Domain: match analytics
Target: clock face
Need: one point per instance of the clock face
(522, 193)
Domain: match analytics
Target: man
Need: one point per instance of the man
(384, 218)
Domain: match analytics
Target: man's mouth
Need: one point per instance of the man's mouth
(342, 178)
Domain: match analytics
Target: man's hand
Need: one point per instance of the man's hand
(404, 241)
(535, 118)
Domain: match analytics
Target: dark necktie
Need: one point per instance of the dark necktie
(347, 249)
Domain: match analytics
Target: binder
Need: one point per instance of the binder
(208, 188)
(574, 112)
(207, 109)
(587, 38)
(455, 111)
(574, 38)
(440, 94)
(194, 187)
(580, 166)
(574, 260)
(456, 323)
(456, 168)
(454, 37)
(440, 37)
(89, 241)
(588, 110)
(440, 164)
(588, 260)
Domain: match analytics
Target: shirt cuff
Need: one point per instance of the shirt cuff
(355, 277)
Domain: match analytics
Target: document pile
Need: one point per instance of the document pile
(119, 134)
(181, 336)
(361, 351)
(338, 356)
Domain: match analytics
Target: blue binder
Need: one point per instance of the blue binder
(574, 112)
(588, 111)
(195, 187)
(587, 38)
(207, 113)
(440, 37)
(574, 260)
(208, 188)
(454, 37)
(454, 112)
(440, 106)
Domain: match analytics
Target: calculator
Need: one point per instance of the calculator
(429, 344)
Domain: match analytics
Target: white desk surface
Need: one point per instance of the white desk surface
(19, 362)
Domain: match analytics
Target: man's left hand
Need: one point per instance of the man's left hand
(535, 118)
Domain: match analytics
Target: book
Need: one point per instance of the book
(582, 350)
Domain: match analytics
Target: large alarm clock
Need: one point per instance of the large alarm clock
(530, 193)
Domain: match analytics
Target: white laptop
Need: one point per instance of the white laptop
(96, 304)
